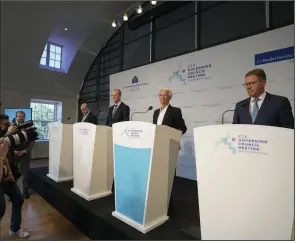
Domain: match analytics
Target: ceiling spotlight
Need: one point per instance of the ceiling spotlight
(153, 2)
(125, 17)
(66, 29)
(114, 24)
(139, 10)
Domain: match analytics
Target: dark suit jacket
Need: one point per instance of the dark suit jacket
(274, 111)
(122, 114)
(172, 118)
(91, 118)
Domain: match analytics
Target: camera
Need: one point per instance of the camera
(24, 125)
(27, 134)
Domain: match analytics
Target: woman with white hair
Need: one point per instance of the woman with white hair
(167, 114)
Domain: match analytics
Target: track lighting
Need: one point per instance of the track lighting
(139, 10)
(114, 24)
(125, 17)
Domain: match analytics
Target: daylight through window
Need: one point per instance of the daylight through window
(51, 56)
(42, 115)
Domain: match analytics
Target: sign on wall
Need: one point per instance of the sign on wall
(208, 82)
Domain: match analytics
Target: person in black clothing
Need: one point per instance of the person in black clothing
(119, 111)
(88, 116)
(169, 116)
(8, 185)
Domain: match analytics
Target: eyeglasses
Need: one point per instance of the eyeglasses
(250, 84)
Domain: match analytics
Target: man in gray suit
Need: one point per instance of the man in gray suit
(22, 155)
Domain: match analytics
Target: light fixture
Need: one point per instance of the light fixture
(153, 2)
(66, 29)
(125, 17)
(114, 24)
(139, 10)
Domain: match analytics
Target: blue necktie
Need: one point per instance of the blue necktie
(255, 109)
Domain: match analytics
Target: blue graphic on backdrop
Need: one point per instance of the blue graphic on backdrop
(275, 56)
(242, 144)
(134, 80)
(135, 84)
(193, 72)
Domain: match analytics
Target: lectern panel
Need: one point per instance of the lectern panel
(55, 143)
(131, 171)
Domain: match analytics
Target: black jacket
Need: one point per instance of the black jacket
(172, 118)
(122, 114)
(274, 111)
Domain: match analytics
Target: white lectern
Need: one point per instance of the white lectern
(246, 182)
(60, 152)
(92, 160)
(145, 158)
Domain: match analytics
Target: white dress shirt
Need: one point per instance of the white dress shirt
(84, 117)
(161, 115)
(260, 101)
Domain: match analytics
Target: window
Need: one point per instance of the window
(51, 56)
(43, 113)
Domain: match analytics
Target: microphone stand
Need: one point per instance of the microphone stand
(224, 114)
(138, 112)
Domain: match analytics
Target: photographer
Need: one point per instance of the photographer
(9, 187)
(22, 155)
(7, 129)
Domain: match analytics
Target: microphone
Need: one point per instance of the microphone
(224, 115)
(65, 119)
(141, 112)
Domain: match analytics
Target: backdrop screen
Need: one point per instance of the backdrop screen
(12, 111)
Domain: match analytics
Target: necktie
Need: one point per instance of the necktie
(255, 109)
(114, 110)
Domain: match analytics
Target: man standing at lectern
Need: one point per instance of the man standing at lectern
(88, 116)
(119, 111)
(169, 116)
(262, 108)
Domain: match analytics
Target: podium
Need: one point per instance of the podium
(60, 152)
(145, 158)
(92, 160)
(246, 182)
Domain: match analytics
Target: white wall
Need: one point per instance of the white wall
(204, 100)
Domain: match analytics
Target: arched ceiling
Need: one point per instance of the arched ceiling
(27, 26)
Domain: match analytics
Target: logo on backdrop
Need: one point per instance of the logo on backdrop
(275, 56)
(193, 72)
(132, 133)
(135, 84)
(242, 144)
(84, 131)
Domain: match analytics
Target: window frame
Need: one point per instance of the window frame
(45, 102)
(47, 58)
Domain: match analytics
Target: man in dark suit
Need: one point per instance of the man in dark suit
(262, 108)
(169, 116)
(88, 116)
(119, 111)
(22, 155)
